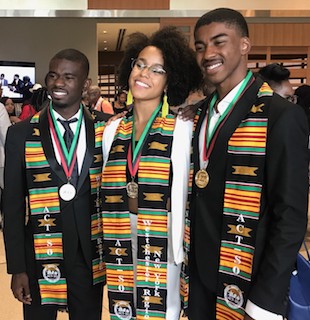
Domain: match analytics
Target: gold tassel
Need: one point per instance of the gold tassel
(129, 101)
(165, 107)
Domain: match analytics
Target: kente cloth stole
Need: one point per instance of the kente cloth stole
(246, 157)
(141, 295)
(45, 215)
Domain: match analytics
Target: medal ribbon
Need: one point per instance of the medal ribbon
(68, 159)
(211, 136)
(134, 151)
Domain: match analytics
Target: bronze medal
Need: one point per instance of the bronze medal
(132, 190)
(201, 178)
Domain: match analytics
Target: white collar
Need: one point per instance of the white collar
(224, 103)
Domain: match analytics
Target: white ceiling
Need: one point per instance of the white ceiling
(108, 33)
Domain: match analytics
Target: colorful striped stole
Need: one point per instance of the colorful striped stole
(242, 201)
(45, 215)
(140, 293)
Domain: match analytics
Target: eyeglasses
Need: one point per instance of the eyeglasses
(154, 69)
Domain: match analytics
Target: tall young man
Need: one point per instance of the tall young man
(250, 189)
(55, 254)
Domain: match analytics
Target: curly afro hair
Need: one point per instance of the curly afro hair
(183, 72)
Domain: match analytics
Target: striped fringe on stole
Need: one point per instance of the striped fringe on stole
(95, 172)
(242, 201)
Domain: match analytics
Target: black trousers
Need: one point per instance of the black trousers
(202, 302)
(84, 299)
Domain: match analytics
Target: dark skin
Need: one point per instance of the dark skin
(66, 80)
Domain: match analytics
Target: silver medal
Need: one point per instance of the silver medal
(67, 192)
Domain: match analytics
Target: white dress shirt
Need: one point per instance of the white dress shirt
(81, 147)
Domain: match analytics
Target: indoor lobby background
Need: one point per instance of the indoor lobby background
(34, 30)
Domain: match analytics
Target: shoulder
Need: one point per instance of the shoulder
(17, 133)
(111, 128)
(280, 107)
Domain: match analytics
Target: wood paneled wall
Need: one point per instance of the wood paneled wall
(129, 5)
(280, 34)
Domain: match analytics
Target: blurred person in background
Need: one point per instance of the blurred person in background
(10, 108)
(98, 103)
(303, 99)
(119, 104)
(277, 77)
(4, 125)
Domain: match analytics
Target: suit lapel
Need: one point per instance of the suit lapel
(90, 147)
(241, 109)
(48, 146)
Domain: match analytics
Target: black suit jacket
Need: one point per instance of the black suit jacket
(76, 224)
(283, 216)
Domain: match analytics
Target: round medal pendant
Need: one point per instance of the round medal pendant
(132, 190)
(67, 192)
(201, 178)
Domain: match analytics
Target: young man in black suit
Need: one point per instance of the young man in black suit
(55, 254)
(248, 205)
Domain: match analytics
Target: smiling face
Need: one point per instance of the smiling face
(145, 83)
(221, 53)
(66, 80)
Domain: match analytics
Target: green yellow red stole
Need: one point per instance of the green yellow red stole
(45, 215)
(141, 295)
(246, 155)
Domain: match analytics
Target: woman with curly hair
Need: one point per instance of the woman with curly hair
(145, 178)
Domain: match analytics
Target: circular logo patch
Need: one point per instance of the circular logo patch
(51, 273)
(233, 296)
(122, 310)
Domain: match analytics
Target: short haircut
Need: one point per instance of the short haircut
(274, 72)
(94, 89)
(227, 16)
(183, 72)
(74, 56)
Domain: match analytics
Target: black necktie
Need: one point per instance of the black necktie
(68, 138)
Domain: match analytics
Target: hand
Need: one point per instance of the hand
(115, 117)
(188, 112)
(20, 287)
(247, 317)
(14, 119)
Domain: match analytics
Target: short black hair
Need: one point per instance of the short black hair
(274, 72)
(224, 15)
(75, 56)
(183, 72)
